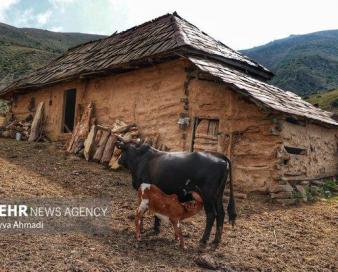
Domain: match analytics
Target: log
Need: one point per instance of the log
(134, 133)
(124, 129)
(146, 140)
(70, 143)
(127, 137)
(103, 128)
(109, 149)
(113, 162)
(98, 136)
(117, 125)
(37, 121)
(97, 139)
(156, 140)
(81, 130)
(101, 146)
(89, 143)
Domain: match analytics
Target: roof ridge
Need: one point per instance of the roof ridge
(180, 36)
(145, 23)
(183, 39)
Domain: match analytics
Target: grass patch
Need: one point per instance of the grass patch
(314, 192)
(326, 100)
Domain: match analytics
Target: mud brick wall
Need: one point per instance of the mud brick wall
(320, 156)
(253, 144)
(149, 97)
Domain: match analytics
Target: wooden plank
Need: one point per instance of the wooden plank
(89, 142)
(101, 146)
(114, 160)
(109, 149)
(37, 122)
(81, 130)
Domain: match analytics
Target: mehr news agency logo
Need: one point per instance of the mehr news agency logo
(21, 212)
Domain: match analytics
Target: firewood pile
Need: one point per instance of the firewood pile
(98, 142)
(15, 126)
(31, 129)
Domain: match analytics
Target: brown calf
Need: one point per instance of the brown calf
(166, 207)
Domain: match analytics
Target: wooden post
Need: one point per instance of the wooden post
(230, 146)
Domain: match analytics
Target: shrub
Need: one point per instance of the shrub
(329, 185)
(4, 107)
(334, 103)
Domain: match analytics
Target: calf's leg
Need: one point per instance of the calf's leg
(138, 224)
(178, 231)
(142, 208)
(157, 225)
(141, 225)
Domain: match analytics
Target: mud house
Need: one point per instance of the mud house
(171, 78)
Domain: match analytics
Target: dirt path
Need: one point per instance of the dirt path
(266, 238)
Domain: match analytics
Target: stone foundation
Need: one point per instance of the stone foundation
(291, 192)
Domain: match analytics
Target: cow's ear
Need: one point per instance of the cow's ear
(143, 148)
(121, 145)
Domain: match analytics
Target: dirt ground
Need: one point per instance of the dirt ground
(267, 237)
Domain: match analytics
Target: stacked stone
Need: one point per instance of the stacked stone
(288, 194)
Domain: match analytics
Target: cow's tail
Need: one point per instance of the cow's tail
(231, 205)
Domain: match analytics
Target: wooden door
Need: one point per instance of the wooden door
(205, 135)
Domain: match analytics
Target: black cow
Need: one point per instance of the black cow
(172, 171)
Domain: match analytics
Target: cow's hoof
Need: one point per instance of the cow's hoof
(138, 244)
(201, 249)
(184, 247)
(202, 244)
(214, 245)
(156, 232)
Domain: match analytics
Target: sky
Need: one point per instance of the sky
(239, 24)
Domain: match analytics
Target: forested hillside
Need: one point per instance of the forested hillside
(25, 49)
(304, 64)
(325, 100)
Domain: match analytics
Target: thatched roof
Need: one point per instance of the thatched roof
(168, 37)
(162, 37)
(263, 94)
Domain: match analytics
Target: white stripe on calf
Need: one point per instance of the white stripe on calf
(163, 217)
(143, 205)
(144, 186)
